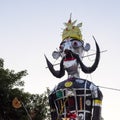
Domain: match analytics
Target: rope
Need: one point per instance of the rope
(109, 88)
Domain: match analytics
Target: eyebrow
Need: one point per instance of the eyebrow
(62, 42)
(70, 40)
(74, 39)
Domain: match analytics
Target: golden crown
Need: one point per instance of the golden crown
(72, 31)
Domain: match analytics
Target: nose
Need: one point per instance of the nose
(66, 51)
(67, 46)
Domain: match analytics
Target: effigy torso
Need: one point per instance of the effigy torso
(73, 98)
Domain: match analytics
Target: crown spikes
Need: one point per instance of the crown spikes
(72, 30)
(70, 18)
(79, 24)
(70, 23)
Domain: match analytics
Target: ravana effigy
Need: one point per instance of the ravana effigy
(74, 98)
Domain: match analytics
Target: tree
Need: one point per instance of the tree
(9, 80)
(40, 106)
(10, 83)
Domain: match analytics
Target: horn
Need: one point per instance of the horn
(56, 73)
(94, 66)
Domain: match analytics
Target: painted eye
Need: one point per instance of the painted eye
(61, 47)
(75, 44)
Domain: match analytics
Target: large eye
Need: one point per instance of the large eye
(76, 44)
(61, 47)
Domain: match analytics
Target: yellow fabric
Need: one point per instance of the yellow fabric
(72, 31)
(97, 102)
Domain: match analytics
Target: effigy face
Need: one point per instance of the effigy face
(68, 49)
(71, 51)
(69, 46)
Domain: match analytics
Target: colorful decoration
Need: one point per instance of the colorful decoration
(74, 98)
(68, 84)
(16, 103)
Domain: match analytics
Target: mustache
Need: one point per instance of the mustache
(60, 73)
(57, 73)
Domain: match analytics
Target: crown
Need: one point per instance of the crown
(72, 31)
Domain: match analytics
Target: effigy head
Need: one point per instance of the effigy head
(71, 51)
(71, 41)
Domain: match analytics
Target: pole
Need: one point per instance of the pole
(26, 111)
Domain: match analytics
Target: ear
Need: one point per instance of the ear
(56, 55)
(87, 47)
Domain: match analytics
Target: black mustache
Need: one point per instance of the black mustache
(56, 73)
(84, 68)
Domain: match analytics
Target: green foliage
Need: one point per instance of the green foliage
(36, 105)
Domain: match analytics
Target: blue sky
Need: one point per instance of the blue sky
(31, 28)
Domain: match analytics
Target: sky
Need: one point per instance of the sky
(30, 29)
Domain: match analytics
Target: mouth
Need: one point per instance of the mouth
(69, 55)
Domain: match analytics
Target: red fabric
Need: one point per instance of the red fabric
(71, 115)
(68, 59)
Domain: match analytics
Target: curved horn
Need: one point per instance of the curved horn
(94, 66)
(57, 74)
